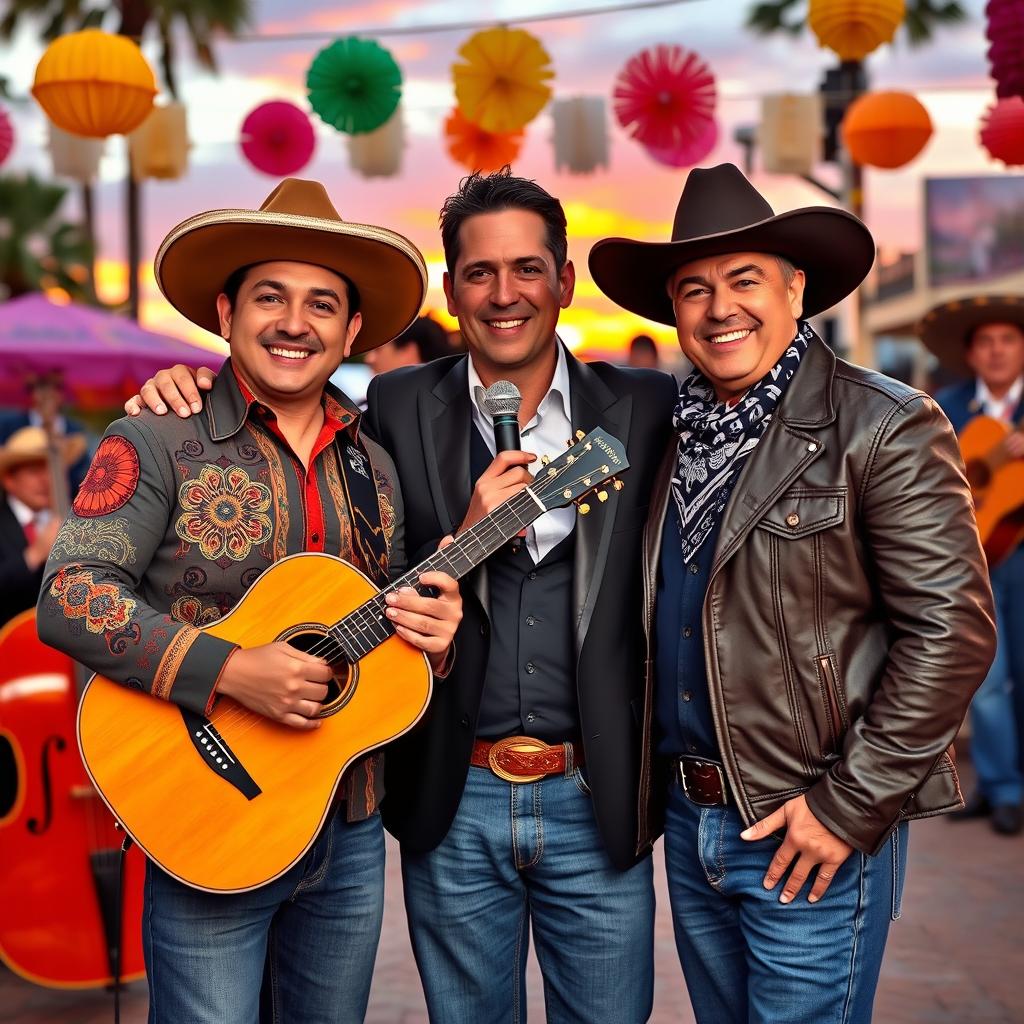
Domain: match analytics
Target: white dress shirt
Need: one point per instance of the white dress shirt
(21, 511)
(545, 434)
(999, 408)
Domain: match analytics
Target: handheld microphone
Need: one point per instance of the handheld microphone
(501, 401)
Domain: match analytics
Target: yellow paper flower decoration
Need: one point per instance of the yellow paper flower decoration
(854, 28)
(500, 87)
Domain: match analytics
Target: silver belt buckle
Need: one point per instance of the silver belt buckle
(700, 763)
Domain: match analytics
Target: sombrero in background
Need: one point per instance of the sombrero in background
(947, 328)
(296, 222)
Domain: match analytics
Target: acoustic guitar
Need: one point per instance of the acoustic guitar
(230, 802)
(997, 483)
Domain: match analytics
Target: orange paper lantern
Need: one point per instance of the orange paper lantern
(477, 149)
(886, 129)
(95, 84)
(854, 28)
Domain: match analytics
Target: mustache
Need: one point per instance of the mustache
(309, 341)
(707, 329)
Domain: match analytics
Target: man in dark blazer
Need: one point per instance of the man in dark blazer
(524, 796)
(28, 525)
(981, 338)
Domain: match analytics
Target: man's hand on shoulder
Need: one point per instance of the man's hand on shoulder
(806, 839)
(177, 388)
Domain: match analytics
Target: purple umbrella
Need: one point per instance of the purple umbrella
(103, 358)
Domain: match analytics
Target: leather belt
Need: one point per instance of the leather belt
(524, 759)
(704, 782)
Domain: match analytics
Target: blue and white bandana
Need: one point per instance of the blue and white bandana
(716, 439)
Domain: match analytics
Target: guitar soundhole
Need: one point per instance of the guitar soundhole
(314, 639)
(8, 777)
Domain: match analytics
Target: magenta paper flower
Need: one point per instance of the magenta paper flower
(665, 98)
(1005, 32)
(278, 138)
(1002, 130)
(689, 152)
(6, 135)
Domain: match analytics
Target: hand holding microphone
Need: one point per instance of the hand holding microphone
(507, 474)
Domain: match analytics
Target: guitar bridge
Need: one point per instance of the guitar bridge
(217, 755)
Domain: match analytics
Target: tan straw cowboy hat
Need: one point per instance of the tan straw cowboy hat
(29, 445)
(297, 222)
(946, 329)
(719, 213)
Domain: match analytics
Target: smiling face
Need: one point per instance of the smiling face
(735, 316)
(289, 329)
(506, 291)
(996, 355)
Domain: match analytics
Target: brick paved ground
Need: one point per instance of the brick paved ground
(956, 957)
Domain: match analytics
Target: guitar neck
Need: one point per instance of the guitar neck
(368, 625)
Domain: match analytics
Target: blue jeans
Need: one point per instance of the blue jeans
(309, 938)
(749, 959)
(997, 711)
(519, 854)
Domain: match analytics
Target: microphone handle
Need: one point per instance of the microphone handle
(506, 433)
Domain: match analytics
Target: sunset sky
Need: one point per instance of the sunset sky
(635, 197)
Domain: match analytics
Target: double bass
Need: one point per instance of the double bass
(65, 919)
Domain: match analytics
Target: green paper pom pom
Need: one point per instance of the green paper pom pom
(354, 85)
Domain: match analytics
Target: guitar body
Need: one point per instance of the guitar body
(198, 817)
(59, 846)
(997, 486)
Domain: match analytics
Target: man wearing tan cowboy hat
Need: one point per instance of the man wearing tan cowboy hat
(818, 616)
(174, 522)
(28, 523)
(981, 338)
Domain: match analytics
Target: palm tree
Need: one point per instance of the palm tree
(200, 19)
(38, 250)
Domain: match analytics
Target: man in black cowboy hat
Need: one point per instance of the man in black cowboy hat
(819, 613)
(982, 338)
(175, 521)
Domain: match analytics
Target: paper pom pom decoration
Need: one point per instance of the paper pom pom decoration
(1005, 32)
(1002, 130)
(378, 154)
(278, 138)
(95, 84)
(854, 28)
(6, 135)
(580, 134)
(354, 85)
(665, 98)
(690, 152)
(885, 129)
(73, 156)
(476, 149)
(158, 148)
(500, 87)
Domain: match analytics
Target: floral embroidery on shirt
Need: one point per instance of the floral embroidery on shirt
(105, 539)
(100, 604)
(225, 512)
(385, 493)
(111, 480)
(192, 610)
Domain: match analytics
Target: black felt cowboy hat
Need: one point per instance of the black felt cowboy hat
(720, 212)
(947, 328)
(297, 222)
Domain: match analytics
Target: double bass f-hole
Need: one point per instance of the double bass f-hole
(55, 743)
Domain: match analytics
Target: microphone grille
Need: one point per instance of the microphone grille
(502, 397)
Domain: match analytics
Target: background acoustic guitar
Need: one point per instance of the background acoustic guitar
(231, 802)
(997, 483)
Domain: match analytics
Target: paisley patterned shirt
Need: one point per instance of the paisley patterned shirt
(175, 521)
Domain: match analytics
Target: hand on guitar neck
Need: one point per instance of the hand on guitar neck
(1014, 444)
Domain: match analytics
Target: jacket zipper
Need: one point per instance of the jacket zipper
(832, 705)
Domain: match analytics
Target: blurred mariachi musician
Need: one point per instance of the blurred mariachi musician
(425, 341)
(982, 338)
(174, 523)
(28, 519)
(818, 616)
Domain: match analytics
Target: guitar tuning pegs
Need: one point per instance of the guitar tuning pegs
(586, 481)
(580, 435)
(584, 508)
(618, 484)
(602, 495)
(545, 459)
(570, 442)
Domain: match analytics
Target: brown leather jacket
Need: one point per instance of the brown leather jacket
(848, 618)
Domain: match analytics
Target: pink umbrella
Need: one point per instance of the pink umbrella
(103, 358)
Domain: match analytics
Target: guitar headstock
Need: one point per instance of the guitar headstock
(592, 460)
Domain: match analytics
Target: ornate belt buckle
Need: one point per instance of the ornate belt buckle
(514, 745)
